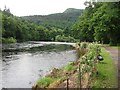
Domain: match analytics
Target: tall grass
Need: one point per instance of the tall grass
(45, 81)
(69, 67)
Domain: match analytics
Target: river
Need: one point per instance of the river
(24, 63)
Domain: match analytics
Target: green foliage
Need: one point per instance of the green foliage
(69, 67)
(82, 48)
(63, 38)
(99, 23)
(23, 30)
(58, 20)
(9, 40)
(83, 45)
(55, 32)
(89, 59)
(45, 81)
(82, 28)
(106, 77)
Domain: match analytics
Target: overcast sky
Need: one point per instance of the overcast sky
(40, 7)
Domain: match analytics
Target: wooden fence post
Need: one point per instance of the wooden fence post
(67, 83)
(80, 76)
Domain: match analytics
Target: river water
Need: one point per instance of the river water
(21, 67)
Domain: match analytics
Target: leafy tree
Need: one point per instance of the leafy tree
(99, 22)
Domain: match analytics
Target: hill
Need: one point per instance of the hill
(72, 10)
(17, 29)
(59, 20)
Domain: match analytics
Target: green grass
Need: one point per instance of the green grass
(57, 74)
(107, 75)
(45, 81)
(116, 47)
(69, 67)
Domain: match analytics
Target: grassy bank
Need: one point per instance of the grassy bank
(87, 53)
(87, 69)
(107, 75)
(56, 77)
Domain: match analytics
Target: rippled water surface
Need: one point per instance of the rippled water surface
(20, 69)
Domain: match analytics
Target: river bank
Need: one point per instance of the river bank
(72, 72)
(58, 66)
(86, 72)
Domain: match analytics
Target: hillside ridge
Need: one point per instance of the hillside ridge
(58, 20)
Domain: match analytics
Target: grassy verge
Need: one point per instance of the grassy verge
(56, 76)
(69, 67)
(116, 47)
(107, 75)
(45, 81)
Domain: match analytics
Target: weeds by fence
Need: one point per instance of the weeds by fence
(87, 62)
(85, 67)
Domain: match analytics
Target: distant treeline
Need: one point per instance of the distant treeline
(17, 29)
(100, 21)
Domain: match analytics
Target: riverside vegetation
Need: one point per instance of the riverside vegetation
(98, 22)
(86, 72)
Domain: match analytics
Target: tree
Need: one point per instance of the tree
(99, 22)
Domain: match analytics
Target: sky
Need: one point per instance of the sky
(40, 7)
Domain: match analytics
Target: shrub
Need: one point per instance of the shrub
(63, 38)
(89, 59)
(82, 48)
(83, 45)
(9, 40)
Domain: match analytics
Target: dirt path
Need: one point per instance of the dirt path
(115, 54)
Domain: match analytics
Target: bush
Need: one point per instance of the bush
(9, 40)
(89, 58)
(63, 38)
(83, 45)
(81, 49)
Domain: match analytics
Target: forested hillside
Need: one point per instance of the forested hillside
(16, 29)
(63, 20)
(99, 22)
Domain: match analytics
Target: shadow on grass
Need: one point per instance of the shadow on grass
(101, 76)
(103, 63)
